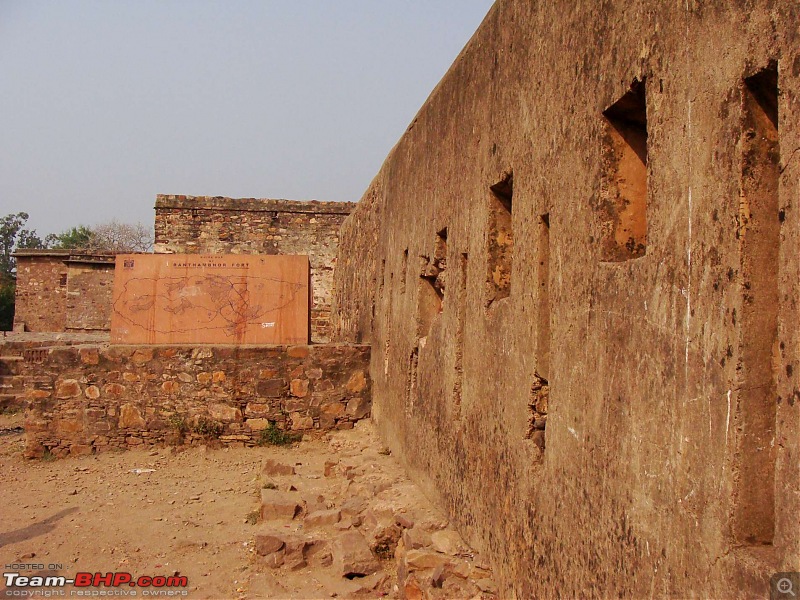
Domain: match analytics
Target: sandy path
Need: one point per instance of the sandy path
(94, 514)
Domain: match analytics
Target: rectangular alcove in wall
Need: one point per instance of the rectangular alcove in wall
(759, 244)
(458, 362)
(623, 194)
(543, 300)
(500, 242)
(431, 290)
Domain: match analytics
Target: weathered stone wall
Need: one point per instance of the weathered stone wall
(41, 296)
(582, 296)
(89, 291)
(85, 399)
(63, 290)
(206, 225)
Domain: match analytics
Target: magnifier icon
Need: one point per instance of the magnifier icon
(785, 586)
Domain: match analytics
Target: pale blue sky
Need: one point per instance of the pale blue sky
(105, 103)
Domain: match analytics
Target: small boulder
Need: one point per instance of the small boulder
(448, 542)
(268, 543)
(352, 556)
(276, 504)
(424, 559)
(321, 518)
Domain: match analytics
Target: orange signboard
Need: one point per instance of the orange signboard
(210, 299)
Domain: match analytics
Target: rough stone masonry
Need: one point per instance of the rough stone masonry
(578, 272)
(215, 225)
(85, 399)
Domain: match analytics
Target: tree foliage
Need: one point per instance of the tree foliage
(13, 235)
(112, 236)
(121, 237)
(72, 238)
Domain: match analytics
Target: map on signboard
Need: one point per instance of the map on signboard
(229, 299)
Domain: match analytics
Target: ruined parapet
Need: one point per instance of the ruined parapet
(63, 290)
(88, 399)
(216, 225)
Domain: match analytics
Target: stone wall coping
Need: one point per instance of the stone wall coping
(74, 256)
(44, 345)
(253, 204)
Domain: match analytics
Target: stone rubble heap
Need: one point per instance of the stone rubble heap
(361, 528)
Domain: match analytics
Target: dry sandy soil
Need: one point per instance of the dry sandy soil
(192, 512)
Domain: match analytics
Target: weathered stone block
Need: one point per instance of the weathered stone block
(298, 351)
(352, 556)
(357, 382)
(114, 389)
(276, 504)
(271, 388)
(358, 408)
(322, 518)
(299, 388)
(130, 417)
(224, 413)
(301, 422)
(257, 424)
(69, 388)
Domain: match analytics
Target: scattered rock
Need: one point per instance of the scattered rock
(321, 518)
(330, 466)
(416, 538)
(448, 542)
(412, 590)
(267, 543)
(352, 556)
(279, 505)
(273, 468)
(354, 506)
(486, 585)
(424, 559)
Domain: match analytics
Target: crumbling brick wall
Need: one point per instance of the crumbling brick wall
(206, 225)
(63, 290)
(88, 399)
(41, 296)
(89, 291)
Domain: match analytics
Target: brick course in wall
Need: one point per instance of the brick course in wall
(215, 225)
(92, 398)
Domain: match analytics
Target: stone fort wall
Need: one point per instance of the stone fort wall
(578, 273)
(90, 398)
(214, 225)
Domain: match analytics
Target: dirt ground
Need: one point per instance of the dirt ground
(192, 512)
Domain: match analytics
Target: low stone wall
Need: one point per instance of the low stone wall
(93, 398)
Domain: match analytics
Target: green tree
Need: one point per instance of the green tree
(71, 239)
(13, 235)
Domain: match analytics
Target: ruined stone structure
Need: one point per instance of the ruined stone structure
(88, 398)
(63, 290)
(206, 225)
(578, 273)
